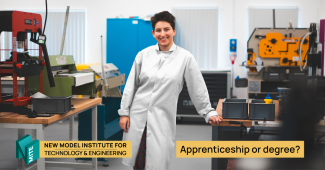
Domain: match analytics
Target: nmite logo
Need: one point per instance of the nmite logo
(27, 148)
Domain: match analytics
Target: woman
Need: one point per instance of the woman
(148, 107)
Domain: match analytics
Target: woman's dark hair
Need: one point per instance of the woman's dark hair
(163, 16)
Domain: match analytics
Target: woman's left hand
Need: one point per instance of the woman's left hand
(215, 119)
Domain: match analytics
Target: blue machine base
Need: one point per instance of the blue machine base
(108, 127)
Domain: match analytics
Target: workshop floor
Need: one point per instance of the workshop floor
(185, 132)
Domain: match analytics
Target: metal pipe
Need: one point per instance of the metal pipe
(102, 63)
(273, 18)
(232, 77)
(310, 71)
(64, 29)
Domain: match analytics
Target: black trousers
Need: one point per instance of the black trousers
(140, 162)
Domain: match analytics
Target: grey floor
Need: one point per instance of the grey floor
(185, 132)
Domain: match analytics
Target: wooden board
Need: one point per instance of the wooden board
(79, 105)
(247, 122)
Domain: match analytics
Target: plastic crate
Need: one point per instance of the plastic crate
(52, 105)
(259, 110)
(243, 82)
(234, 109)
(272, 76)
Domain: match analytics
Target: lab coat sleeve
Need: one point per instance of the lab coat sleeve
(198, 90)
(131, 87)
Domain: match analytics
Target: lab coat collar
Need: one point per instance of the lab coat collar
(172, 48)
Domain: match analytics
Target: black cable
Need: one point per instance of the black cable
(308, 51)
(306, 55)
(45, 16)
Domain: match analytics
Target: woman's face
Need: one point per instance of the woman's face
(164, 33)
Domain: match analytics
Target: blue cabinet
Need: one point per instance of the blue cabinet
(108, 126)
(125, 38)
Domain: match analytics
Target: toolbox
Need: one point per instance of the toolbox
(234, 109)
(241, 82)
(259, 110)
(52, 105)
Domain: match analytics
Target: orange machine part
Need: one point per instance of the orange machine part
(251, 61)
(275, 45)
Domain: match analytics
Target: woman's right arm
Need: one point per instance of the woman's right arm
(130, 89)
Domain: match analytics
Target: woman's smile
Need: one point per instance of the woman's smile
(163, 40)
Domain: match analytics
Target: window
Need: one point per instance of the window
(197, 32)
(263, 17)
(74, 40)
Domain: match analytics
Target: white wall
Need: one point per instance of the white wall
(233, 20)
(321, 10)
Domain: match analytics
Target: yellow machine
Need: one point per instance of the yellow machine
(273, 59)
(275, 45)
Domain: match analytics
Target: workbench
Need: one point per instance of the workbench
(38, 125)
(230, 130)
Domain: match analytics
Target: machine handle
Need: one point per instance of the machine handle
(48, 65)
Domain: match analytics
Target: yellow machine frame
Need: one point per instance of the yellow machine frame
(275, 45)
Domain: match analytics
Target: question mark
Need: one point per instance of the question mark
(298, 148)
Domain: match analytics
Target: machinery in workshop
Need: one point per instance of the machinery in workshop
(270, 63)
(68, 80)
(291, 62)
(303, 118)
(107, 115)
(21, 64)
(30, 70)
(108, 82)
(273, 60)
(108, 86)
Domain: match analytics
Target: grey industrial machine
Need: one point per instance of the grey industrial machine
(113, 77)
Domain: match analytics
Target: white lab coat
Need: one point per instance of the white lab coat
(151, 94)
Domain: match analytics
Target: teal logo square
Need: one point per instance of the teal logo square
(27, 149)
